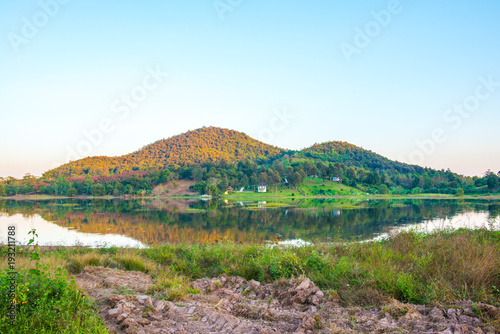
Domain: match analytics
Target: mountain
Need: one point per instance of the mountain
(207, 144)
(351, 155)
(213, 159)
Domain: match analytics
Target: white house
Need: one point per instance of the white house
(262, 188)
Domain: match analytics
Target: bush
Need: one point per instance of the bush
(46, 305)
(45, 302)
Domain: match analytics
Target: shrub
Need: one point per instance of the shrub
(45, 302)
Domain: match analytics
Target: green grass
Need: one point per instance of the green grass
(46, 304)
(318, 187)
(41, 297)
(419, 268)
(310, 187)
(436, 268)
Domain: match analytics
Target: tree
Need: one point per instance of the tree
(383, 189)
(98, 189)
(61, 186)
(297, 179)
(415, 181)
(196, 172)
(492, 181)
(275, 177)
(2, 191)
(223, 184)
(351, 173)
(254, 180)
(460, 192)
(361, 175)
(302, 175)
(128, 189)
(71, 192)
(88, 184)
(28, 183)
(278, 166)
(263, 177)
(244, 181)
(372, 178)
(322, 170)
(212, 190)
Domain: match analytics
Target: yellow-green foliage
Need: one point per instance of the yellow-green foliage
(419, 268)
(171, 286)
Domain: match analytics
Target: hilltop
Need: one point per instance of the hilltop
(204, 145)
(213, 145)
(215, 160)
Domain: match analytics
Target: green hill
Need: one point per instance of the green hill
(216, 158)
(205, 145)
(351, 155)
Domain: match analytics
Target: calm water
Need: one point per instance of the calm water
(133, 223)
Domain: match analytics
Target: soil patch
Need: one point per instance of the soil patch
(235, 305)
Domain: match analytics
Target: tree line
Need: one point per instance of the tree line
(283, 171)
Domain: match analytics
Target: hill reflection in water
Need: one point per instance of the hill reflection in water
(152, 222)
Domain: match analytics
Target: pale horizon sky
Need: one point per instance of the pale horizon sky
(383, 75)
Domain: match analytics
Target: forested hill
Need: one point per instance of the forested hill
(204, 145)
(217, 158)
(351, 155)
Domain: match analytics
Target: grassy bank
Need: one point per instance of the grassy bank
(419, 268)
(40, 297)
(432, 269)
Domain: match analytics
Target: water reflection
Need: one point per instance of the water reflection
(53, 234)
(137, 223)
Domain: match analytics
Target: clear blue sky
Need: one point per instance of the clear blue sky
(236, 66)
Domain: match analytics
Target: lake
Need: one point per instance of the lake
(139, 223)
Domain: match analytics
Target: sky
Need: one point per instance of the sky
(417, 81)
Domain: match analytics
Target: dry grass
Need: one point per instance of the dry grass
(410, 267)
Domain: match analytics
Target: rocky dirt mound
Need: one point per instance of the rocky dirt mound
(234, 305)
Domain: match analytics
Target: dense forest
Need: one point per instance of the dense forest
(205, 145)
(215, 159)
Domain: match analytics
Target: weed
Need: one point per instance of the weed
(45, 301)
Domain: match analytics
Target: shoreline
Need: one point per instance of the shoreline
(258, 197)
(410, 281)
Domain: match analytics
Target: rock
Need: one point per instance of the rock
(108, 282)
(145, 300)
(463, 319)
(253, 285)
(285, 306)
(159, 306)
(437, 315)
(317, 297)
(121, 317)
(113, 312)
(115, 299)
(129, 322)
(307, 323)
(306, 283)
(452, 314)
(446, 331)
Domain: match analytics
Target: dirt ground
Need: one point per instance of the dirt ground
(175, 188)
(234, 305)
